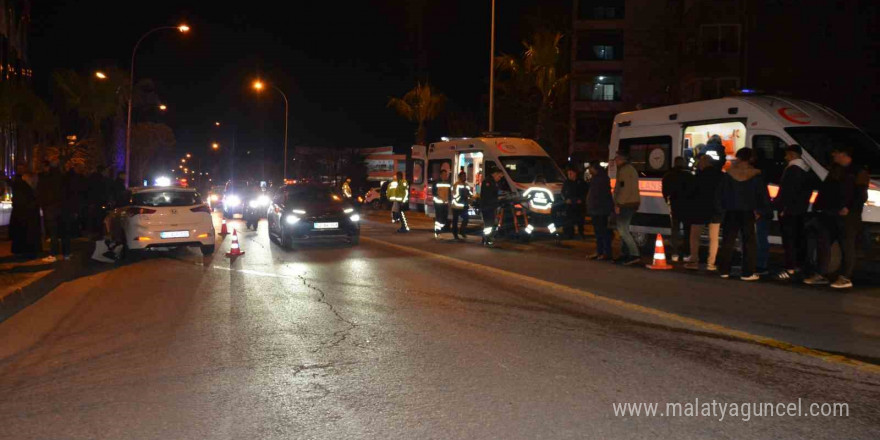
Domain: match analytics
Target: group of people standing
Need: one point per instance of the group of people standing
(728, 206)
(737, 205)
(58, 205)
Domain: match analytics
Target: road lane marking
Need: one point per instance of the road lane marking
(254, 272)
(700, 324)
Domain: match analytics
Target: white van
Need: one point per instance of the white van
(767, 124)
(528, 169)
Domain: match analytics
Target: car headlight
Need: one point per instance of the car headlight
(254, 203)
(873, 198)
(348, 210)
(355, 218)
(263, 200)
(214, 197)
(299, 211)
(291, 219)
(232, 201)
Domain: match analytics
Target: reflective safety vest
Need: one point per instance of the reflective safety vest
(346, 190)
(461, 194)
(398, 191)
(442, 192)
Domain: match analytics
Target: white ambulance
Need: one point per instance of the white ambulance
(767, 124)
(528, 169)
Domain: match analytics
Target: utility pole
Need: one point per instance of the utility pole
(492, 73)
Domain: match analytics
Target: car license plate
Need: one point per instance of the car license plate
(174, 234)
(327, 225)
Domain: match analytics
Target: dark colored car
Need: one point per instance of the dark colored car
(235, 197)
(311, 212)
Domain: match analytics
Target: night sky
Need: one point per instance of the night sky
(337, 61)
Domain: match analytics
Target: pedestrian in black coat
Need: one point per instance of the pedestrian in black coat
(677, 183)
(600, 205)
(574, 193)
(50, 194)
(840, 202)
(743, 197)
(701, 212)
(792, 203)
(24, 223)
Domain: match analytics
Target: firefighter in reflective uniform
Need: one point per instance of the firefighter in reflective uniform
(442, 191)
(461, 196)
(346, 188)
(398, 194)
(489, 205)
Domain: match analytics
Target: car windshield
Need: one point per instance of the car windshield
(820, 141)
(166, 198)
(312, 194)
(532, 169)
(237, 186)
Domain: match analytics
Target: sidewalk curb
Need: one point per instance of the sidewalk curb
(657, 313)
(22, 295)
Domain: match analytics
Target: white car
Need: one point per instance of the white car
(166, 217)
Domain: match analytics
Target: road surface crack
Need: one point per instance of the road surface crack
(339, 336)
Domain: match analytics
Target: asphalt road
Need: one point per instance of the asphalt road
(375, 341)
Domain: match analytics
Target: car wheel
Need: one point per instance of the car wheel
(285, 241)
(207, 250)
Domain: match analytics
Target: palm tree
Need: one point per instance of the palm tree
(89, 103)
(420, 105)
(536, 71)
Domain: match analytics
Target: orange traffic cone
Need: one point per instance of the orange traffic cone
(659, 256)
(223, 230)
(234, 249)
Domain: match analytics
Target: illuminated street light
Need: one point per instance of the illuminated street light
(182, 160)
(180, 167)
(100, 75)
(163, 107)
(259, 86)
(215, 146)
(188, 155)
(217, 123)
(183, 29)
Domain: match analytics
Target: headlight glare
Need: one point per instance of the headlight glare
(355, 218)
(291, 219)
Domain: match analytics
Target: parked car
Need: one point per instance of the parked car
(164, 217)
(311, 212)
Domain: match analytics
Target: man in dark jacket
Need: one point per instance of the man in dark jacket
(677, 182)
(743, 197)
(840, 202)
(574, 192)
(792, 203)
(489, 204)
(600, 204)
(50, 196)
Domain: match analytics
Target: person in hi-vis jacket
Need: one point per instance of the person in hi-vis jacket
(442, 191)
(398, 194)
(461, 196)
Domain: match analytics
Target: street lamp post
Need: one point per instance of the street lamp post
(259, 86)
(492, 73)
(182, 28)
